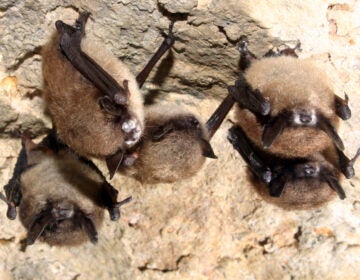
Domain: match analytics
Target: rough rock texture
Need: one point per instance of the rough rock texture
(211, 226)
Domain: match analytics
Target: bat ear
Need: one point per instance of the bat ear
(329, 129)
(273, 129)
(33, 151)
(207, 150)
(333, 183)
(113, 162)
(351, 165)
(88, 225)
(342, 108)
(37, 227)
(277, 185)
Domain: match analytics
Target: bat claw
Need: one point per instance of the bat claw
(242, 45)
(170, 39)
(267, 176)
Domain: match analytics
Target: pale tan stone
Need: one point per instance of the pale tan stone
(211, 226)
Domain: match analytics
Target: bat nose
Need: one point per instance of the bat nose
(62, 213)
(305, 117)
(309, 170)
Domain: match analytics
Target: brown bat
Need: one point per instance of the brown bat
(61, 198)
(175, 143)
(294, 183)
(287, 105)
(93, 98)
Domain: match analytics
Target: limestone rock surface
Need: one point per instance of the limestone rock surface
(213, 225)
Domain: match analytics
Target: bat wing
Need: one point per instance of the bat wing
(273, 129)
(70, 41)
(241, 143)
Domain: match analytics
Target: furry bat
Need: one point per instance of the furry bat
(294, 183)
(93, 98)
(287, 105)
(175, 143)
(61, 198)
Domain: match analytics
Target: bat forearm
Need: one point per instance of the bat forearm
(164, 47)
(219, 115)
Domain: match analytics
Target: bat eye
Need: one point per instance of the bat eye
(195, 122)
(191, 122)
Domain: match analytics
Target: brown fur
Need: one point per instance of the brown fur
(65, 180)
(177, 156)
(73, 100)
(290, 83)
(301, 194)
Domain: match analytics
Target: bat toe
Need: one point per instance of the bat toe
(128, 125)
(133, 131)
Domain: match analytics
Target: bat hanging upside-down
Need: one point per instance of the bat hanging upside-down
(285, 129)
(287, 105)
(93, 98)
(174, 141)
(61, 197)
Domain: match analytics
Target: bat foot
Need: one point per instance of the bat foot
(349, 172)
(129, 159)
(133, 131)
(266, 176)
(81, 21)
(114, 210)
(242, 45)
(170, 39)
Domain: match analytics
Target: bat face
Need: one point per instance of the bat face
(293, 183)
(286, 129)
(303, 117)
(173, 147)
(98, 112)
(301, 183)
(61, 199)
(62, 223)
(301, 194)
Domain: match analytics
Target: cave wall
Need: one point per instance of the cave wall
(213, 225)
